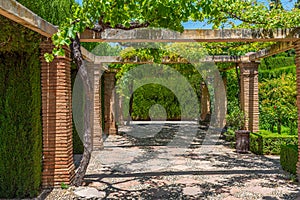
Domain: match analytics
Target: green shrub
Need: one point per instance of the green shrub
(54, 11)
(236, 119)
(20, 101)
(278, 105)
(289, 158)
(276, 73)
(148, 95)
(229, 135)
(266, 142)
(20, 112)
(271, 63)
(20, 125)
(256, 143)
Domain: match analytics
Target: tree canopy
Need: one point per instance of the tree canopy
(130, 14)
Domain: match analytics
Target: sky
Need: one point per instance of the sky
(287, 4)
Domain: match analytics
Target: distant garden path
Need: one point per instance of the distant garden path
(138, 167)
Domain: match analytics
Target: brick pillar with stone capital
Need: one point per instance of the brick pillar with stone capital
(97, 115)
(297, 48)
(205, 102)
(120, 109)
(110, 126)
(58, 166)
(249, 94)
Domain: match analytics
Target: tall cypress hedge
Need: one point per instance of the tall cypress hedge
(53, 11)
(20, 100)
(20, 112)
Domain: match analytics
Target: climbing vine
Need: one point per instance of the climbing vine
(99, 16)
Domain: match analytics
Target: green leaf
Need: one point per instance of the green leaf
(48, 57)
(58, 52)
(71, 33)
(61, 52)
(64, 186)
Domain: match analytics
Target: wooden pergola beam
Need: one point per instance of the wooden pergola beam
(272, 50)
(15, 11)
(279, 47)
(88, 56)
(202, 35)
(136, 60)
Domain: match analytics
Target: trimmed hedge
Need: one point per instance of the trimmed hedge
(276, 72)
(229, 135)
(263, 143)
(20, 125)
(20, 112)
(54, 11)
(271, 63)
(20, 101)
(289, 158)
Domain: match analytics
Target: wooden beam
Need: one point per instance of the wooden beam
(202, 35)
(276, 48)
(136, 60)
(20, 14)
(272, 50)
(14, 11)
(88, 56)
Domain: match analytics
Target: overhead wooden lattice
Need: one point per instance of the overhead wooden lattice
(20, 14)
(201, 35)
(166, 60)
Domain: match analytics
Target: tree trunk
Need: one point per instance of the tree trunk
(87, 143)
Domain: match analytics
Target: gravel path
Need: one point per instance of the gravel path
(157, 162)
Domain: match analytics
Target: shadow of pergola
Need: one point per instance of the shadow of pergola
(229, 169)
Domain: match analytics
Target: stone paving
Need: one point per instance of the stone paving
(140, 163)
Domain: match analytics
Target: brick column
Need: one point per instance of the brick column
(58, 164)
(110, 126)
(120, 109)
(249, 94)
(220, 103)
(97, 127)
(297, 48)
(205, 103)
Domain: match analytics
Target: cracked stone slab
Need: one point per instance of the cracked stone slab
(89, 192)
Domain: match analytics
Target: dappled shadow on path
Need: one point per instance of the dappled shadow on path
(132, 167)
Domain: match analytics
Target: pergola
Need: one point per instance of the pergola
(58, 164)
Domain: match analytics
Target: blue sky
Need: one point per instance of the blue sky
(287, 4)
